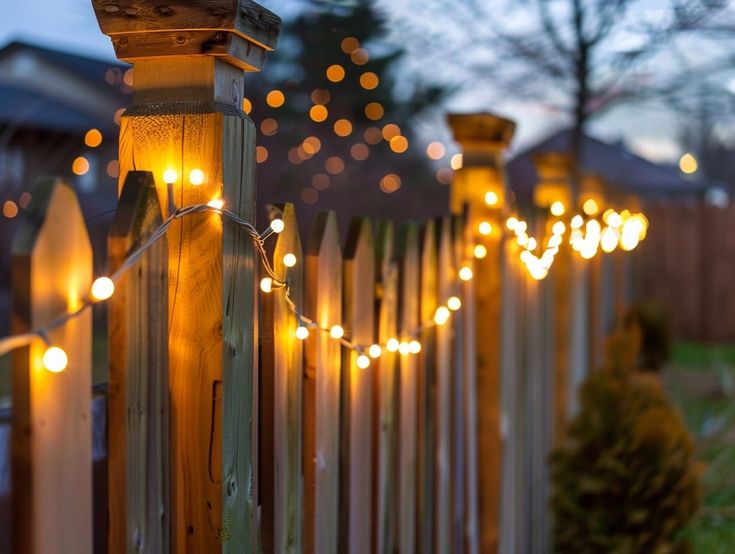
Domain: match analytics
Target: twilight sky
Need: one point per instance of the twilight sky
(71, 25)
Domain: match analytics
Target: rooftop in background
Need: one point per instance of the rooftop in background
(52, 90)
(614, 163)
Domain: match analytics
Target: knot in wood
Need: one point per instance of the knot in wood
(180, 39)
(132, 12)
(164, 11)
(112, 9)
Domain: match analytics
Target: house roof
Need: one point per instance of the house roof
(91, 92)
(617, 166)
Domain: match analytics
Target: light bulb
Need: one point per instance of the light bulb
(216, 203)
(196, 177)
(102, 288)
(404, 348)
(414, 347)
(480, 251)
(532, 244)
(277, 225)
(441, 315)
(609, 240)
(266, 284)
(590, 207)
(170, 176)
(485, 228)
(375, 351)
(465, 273)
(392, 345)
(55, 359)
(557, 208)
(577, 222)
(337, 332)
(558, 228)
(289, 260)
(491, 198)
(454, 303)
(363, 362)
(302, 333)
(511, 223)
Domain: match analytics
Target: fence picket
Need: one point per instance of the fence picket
(138, 407)
(52, 424)
(323, 304)
(281, 371)
(407, 253)
(429, 516)
(387, 388)
(357, 391)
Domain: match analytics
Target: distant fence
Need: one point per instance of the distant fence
(686, 265)
(395, 391)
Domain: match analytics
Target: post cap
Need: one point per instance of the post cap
(239, 31)
(484, 128)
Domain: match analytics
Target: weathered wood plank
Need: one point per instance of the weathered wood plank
(323, 305)
(137, 438)
(211, 329)
(561, 278)
(51, 427)
(446, 448)
(386, 387)
(281, 371)
(356, 487)
(430, 513)
(407, 253)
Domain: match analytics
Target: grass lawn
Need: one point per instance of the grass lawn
(701, 381)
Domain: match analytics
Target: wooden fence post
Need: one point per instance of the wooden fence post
(51, 434)
(386, 405)
(137, 436)
(323, 305)
(480, 185)
(186, 120)
(356, 492)
(407, 253)
(281, 367)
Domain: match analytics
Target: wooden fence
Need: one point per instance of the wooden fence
(227, 432)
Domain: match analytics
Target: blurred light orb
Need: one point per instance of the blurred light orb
(275, 98)
(289, 260)
(557, 208)
(261, 154)
(435, 150)
(349, 45)
(342, 127)
(335, 73)
(247, 105)
(455, 162)
(390, 183)
(196, 177)
(102, 288)
(688, 163)
(334, 165)
(590, 206)
(10, 209)
(360, 56)
(80, 166)
(374, 111)
(399, 144)
(318, 113)
(55, 359)
(369, 80)
(320, 96)
(93, 138)
(359, 151)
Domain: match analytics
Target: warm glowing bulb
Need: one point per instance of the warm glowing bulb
(688, 163)
(217, 203)
(414, 347)
(454, 303)
(491, 198)
(302, 333)
(55, 359)
(558, 228)
(336, 332)
(557, 208)
(196, 177)
(480, 251)
(277, 225)
(485, 228)
(609, 240)
(577, 222)
(266, 284)
(441, 315)
(102, 288)
(590, 207)
(375, 351)
(363, 362)
(511, 223)
(465, 273)
(289, 260)
(404, 348)
(170, 176)
(392, 345)
(531, 244)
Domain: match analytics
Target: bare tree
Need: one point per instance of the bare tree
(581, 57)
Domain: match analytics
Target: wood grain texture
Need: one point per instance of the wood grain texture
(51, 435)
(281, 371)
(356, 487)
(408, 256)
(137, 436)
(243, 17)
(385, 427)
(323, 304)
(429, 515)
(211, 328)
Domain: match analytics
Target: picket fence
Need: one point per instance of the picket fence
(224, 432)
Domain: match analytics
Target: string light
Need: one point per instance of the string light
(55, 359)
(196, 177)
(414, 347)
(441, 315)
(102, 289)
(266, 284)
(557, 208)
(216, 203)
(170, 176)
(485, 228)
(491, 198)
(454, 303)
(404, 348)
(277, 225)
(392, 345)
(375, 351)
(302, 332)
(362, 361)
(465, 273)
(289, 260)
(480, 251)
(336, 332)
